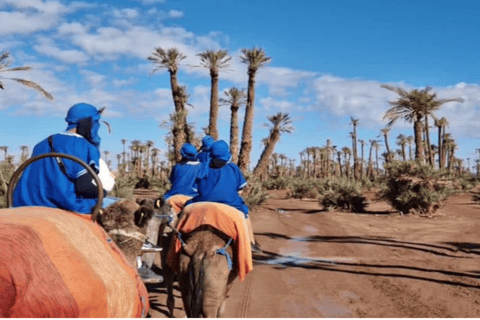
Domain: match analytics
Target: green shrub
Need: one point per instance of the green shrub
(6, 172)
(280, 183)
(254, 194)
(342, 194)
(301, 189)
(412, 187)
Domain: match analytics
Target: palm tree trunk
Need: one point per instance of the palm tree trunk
(246, 145)
(178, 131)
(429, 146)
(417, 130)
(212, 127)
(234, 133)
(440, 148)
(266, 154)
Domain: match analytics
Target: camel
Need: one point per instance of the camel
(205, 259)
(205, 277)
(56, 263)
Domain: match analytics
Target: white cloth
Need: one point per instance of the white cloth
(108, 181)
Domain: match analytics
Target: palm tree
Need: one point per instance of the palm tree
(4, 67)
(24, 155)
(279, 123)
(414, 106)
(376, 146)
(402, 141)
(346, 159)
(410, 141)
(362, 143)
(106, 155)
(5, 149)
(441, 124)
(148, 145)
(255, 59)
(354, 122)
(170, 59)
(235, 98)
(385, 132)
(214, 61)
(123, 143)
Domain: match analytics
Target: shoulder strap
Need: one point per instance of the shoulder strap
(59, 160)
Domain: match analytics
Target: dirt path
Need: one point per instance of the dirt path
(380, 264)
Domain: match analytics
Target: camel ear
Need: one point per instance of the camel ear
(142, 216)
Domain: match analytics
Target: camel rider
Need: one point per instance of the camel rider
(223, 182)
(185, 173)
(67, 184)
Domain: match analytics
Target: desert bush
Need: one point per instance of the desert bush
(342, 194)
(412, 187)
(254, 194)
(280, 183)
(6, 172)
(301, 189)
(125, 185)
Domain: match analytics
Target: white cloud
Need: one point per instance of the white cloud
(175, 14)
(125, 13)
(47, 48)
(23, 23)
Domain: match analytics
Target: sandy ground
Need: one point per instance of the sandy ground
(377, 264)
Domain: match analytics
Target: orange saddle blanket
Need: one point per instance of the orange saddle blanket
(222, 217)
(55, 263)
(178, 202)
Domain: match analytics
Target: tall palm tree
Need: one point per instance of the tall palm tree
(441, 124)
(410, 141)
(123, 143)
(354, 122)
(4, 67)
(402, 141)
(170, 59)
(279, 124)
(346, 160)
(24, 155)
(5, 150)
(214, 61)
(255, 59)
(414, 106)
(235, 98)
(385, 132)
(362, 143)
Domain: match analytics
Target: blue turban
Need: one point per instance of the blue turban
(188, 152)
(207, 142)
(81, 111)
(219, 150)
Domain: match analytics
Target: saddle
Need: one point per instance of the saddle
(228, 223)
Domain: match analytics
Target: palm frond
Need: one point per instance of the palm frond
(33, 85)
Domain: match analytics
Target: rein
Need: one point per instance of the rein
(131, 235)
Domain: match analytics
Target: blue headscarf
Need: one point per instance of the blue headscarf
(188, 152)
(219, 150)
(82, 111)
(207, 142)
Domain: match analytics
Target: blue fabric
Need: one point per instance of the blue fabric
(222, 185)
(220, 150)
(109, 200)
(204, 158)
(223, 252)
(183, 179)
(207, 142)
(188, 152)
(81, 111)
(44, 184)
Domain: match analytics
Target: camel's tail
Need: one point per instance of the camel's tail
(195, 285)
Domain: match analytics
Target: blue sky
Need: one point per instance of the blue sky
(329, 59)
